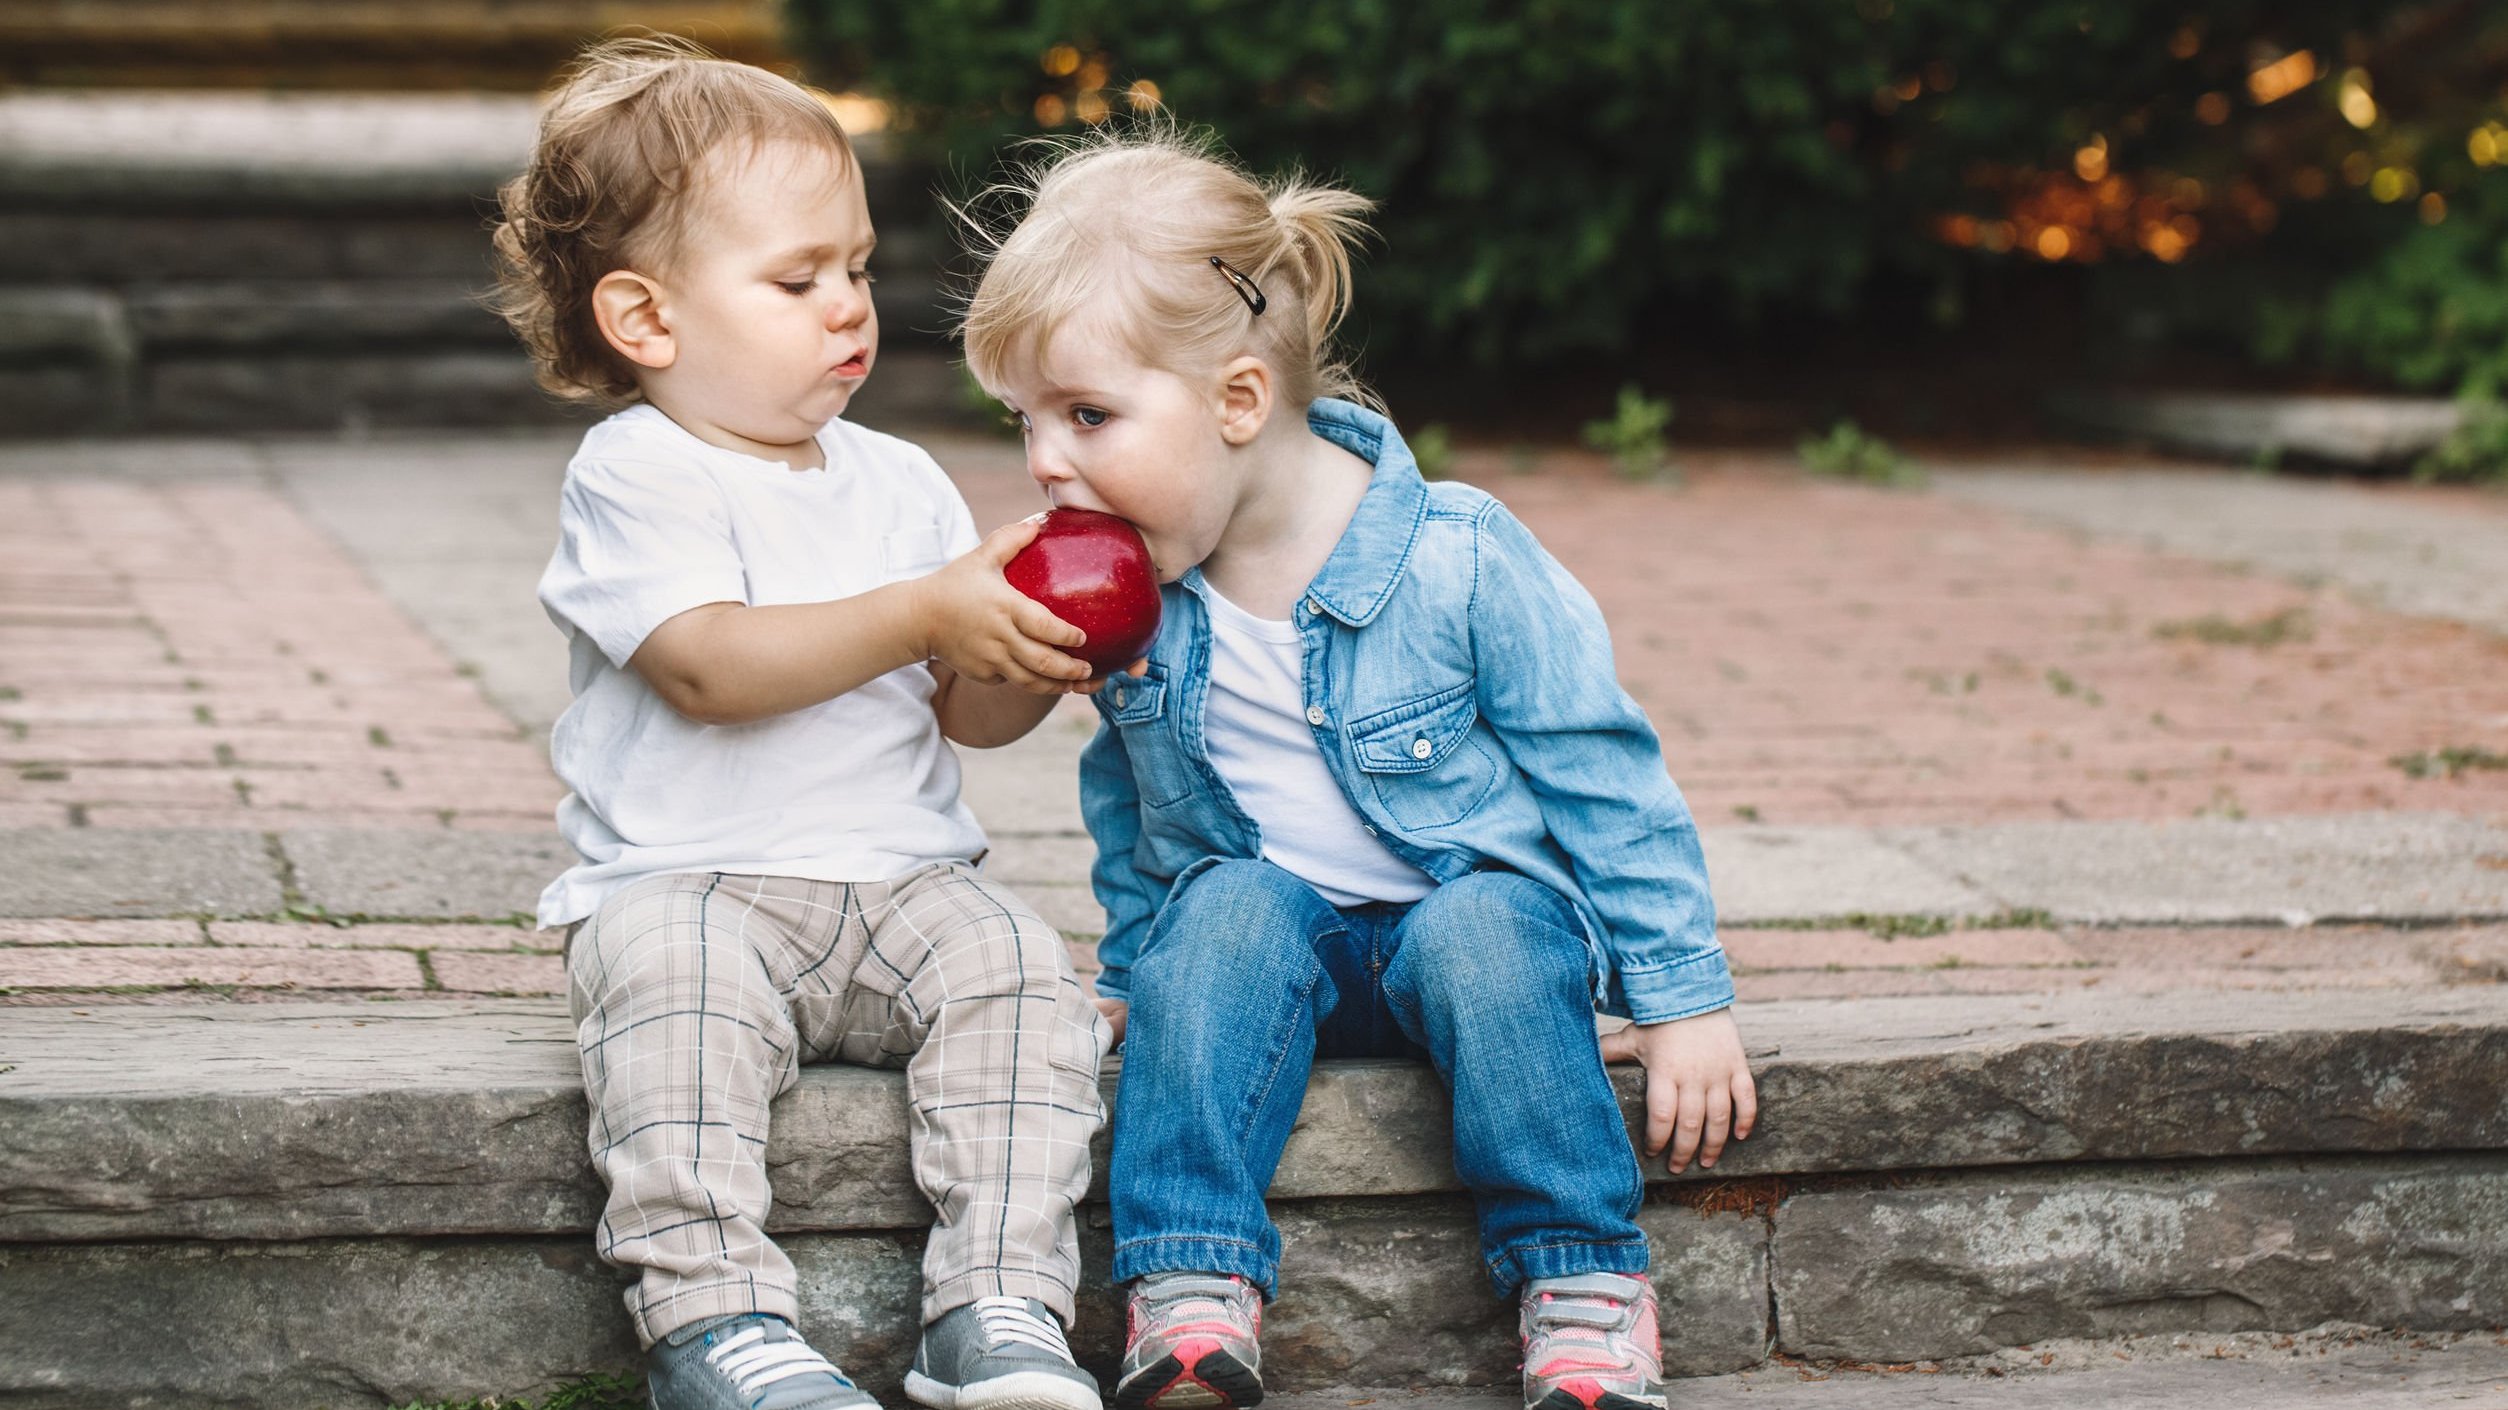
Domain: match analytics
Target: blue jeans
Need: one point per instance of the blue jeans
(1248, 976)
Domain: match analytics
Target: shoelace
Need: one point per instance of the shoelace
(754, 1362)
(1003, 1319)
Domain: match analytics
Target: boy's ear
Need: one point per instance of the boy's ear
(628, 309)
(1245, 400)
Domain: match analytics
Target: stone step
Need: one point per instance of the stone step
(2405, 869)
(2336, 1368)
(384, 44)
(219, 261)
(1933, 1178)
(303, 387)
(2372, 432)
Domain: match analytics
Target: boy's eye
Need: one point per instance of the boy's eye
(863, 276)
(1016, 420)
(1088, 416)
(796, 287)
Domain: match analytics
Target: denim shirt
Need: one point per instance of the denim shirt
(1460, 686)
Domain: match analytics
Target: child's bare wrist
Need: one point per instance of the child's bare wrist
(915, 605)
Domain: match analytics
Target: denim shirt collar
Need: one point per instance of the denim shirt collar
(1359, 578)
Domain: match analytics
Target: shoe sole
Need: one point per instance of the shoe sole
(1216, 1381)
(1021, 1390)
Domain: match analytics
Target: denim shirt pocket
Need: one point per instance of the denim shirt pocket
(1137, 706)
(1421, 759)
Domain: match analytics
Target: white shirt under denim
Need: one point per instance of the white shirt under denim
(1255, 727)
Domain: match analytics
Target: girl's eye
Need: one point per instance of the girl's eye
(796, 288)
(1088, 416)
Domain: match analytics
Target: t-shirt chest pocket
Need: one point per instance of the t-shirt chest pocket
(1421, 759)
(1138, 708)
(912, 552)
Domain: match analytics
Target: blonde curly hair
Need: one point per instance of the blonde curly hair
(1122, 226)
(625, 143)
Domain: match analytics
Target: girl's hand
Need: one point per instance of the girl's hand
(1090, 687)
(1116, 1010)
(1698, 1084)
(972, 620)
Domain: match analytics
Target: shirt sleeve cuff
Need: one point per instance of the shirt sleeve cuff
(623, 623)
(1661, 993)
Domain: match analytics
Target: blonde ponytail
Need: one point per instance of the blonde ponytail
(1321, 225)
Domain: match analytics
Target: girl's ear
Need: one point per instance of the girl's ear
(1245, 400)
(627, 307)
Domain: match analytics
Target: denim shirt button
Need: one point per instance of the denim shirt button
(1314, 714)
(1420, 747)
(1119, 697)
(1371, 828)
(1311, 607)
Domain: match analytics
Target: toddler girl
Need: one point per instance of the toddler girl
(1376, 790)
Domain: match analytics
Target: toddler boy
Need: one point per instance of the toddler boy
(774, 619)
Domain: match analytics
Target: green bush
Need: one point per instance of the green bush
(2430, 311)
(1633, 436)
(2477, 453)
(1553, 174)
(1432, 449)
(1849, 452)
(1556, 176)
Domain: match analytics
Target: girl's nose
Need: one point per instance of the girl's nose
(1047, 469)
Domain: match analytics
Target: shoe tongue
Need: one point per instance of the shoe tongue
(727, 1323)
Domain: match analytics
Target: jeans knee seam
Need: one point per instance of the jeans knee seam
(1251, 1110)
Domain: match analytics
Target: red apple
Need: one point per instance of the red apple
(1093, 571)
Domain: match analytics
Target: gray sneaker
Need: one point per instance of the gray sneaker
(999, 1353)
(747, 1361)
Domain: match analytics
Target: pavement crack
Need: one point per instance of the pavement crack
(291, 895)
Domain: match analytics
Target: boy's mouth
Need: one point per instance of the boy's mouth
(858, 365)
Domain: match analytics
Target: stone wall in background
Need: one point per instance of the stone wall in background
(240, 261)
(347, 44)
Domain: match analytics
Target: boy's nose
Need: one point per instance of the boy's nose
(848, 308)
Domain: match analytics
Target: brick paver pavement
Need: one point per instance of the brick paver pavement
(196, 655)
(177, 655)
(1825, 653)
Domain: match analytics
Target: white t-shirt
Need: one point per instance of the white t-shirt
(652, 522)
(1255, 729)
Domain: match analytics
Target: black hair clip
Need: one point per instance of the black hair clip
(1246, 288)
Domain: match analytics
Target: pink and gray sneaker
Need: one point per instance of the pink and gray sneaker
(1192, 1342)
(1591, 1343)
